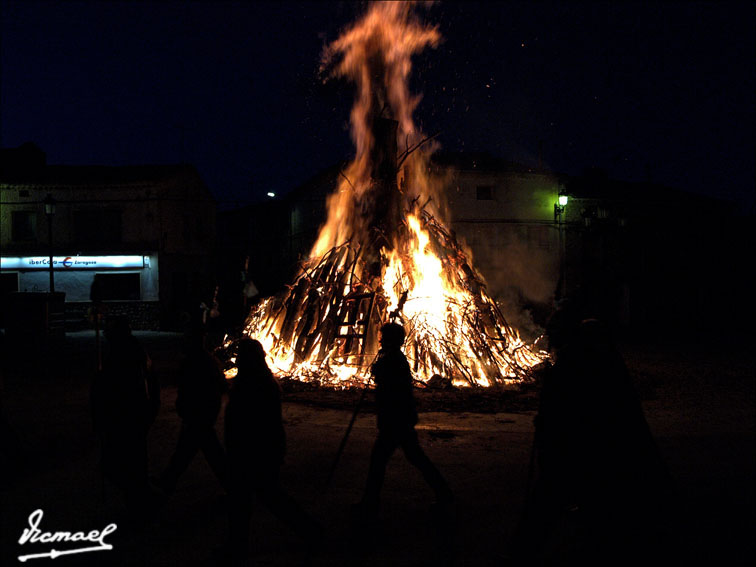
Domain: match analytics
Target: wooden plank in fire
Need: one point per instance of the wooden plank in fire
(357, 328)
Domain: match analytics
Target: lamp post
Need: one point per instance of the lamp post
(559, 208)
(50, 212)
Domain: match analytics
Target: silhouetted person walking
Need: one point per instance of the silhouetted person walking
(396, 420)
(256, 445)
(212, 320)
(200, 388)
(125, 401)
(601, 483)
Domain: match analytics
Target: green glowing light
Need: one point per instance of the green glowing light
(563, 200)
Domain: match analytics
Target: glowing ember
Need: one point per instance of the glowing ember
(382, 254)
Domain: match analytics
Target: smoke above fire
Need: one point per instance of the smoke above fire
(384, 252)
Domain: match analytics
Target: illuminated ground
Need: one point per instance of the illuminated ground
(699, 403)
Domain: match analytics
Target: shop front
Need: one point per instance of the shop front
(124, 284)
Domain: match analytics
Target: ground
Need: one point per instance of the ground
(698, 399)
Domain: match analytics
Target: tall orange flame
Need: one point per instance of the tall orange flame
(383, 254)
(376, 55)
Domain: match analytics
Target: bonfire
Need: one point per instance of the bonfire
(384, 252)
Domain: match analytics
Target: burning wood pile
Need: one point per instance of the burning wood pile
(383, 253)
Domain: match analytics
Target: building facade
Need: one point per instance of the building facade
(503, 214)
(139, 238)
(649, 259)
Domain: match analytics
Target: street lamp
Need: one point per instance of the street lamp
(50, 212)
(559, 208)
(560, 205)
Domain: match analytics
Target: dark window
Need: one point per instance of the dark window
(97, 226)
(119, 286)
(23, 225)
(485, 192)
(8, 284)
(187, 229)
(200, 230)
(180, 288)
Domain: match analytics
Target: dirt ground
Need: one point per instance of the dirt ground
(698, 399)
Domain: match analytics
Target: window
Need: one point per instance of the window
(23, 225)
(119, 286)
(187, 229)
(8, 283)
(101, 226)
(484, 192)
(180, 288)
(200, 230)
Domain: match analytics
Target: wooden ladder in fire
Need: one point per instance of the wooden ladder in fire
(354, 322)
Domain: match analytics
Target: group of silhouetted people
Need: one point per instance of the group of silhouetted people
(599, 476)
(125, 401)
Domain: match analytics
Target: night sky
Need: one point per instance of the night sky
(664, 91)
